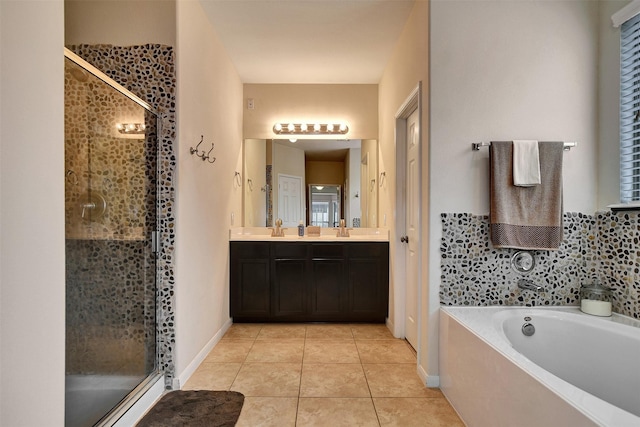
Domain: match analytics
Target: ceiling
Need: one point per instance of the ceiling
(322, 150)
(309, 41)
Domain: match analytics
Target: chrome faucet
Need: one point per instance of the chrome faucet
(343, 231)
(278, 231)
(529, 285)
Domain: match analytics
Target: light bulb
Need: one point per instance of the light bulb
(292, 139)
(329, 127)
(343, 127)
(303, 127)
(277, 127)
(316, 127)
(291, 127)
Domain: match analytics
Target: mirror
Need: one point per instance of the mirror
(281, 180)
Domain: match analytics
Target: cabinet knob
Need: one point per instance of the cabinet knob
(404, 239)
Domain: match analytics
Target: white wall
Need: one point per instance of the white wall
(120, 22)
(355, 104)
(32, 275)
(407, 67)
(255, 201)
(369, 201)
(209, 103)
(502, 71)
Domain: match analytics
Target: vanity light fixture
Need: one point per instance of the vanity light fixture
(130, 128)
(304, 128)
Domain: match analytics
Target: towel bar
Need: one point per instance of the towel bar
(475, 146)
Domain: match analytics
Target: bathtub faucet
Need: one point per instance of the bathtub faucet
(529, 285)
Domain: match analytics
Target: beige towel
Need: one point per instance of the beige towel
(526, 217)
(526, 163)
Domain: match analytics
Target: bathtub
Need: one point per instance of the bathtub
(575, 370)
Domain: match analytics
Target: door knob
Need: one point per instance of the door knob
(404, 239)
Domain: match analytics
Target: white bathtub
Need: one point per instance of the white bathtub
(575, 370)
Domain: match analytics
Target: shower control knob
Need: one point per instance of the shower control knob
(404, 239)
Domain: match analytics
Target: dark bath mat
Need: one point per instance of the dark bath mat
(201, 408)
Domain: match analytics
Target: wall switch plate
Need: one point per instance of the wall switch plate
(232, 218)
(250, 104)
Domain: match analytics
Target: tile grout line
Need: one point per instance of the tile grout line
(366, 380)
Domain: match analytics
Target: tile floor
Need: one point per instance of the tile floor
(322, 375)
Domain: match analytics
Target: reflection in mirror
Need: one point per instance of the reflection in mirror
(256, 192)
(325, 204)
(277, 172)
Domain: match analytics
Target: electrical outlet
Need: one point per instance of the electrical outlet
(250, 104)
(232, 217)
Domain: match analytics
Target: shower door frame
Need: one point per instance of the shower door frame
(155, 375)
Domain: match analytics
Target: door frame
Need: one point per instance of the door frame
(412, 103)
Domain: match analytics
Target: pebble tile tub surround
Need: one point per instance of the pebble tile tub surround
(604, 246)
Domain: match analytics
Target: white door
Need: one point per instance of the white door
(412, 232)
(290, 200)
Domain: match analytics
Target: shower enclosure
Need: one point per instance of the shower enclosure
(111, 153)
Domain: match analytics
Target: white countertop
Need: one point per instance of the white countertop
(263, 234)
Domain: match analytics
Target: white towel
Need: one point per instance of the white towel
(526, 163)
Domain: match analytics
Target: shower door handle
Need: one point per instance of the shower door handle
(155, 242)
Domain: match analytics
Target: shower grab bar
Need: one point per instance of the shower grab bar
(475, 146)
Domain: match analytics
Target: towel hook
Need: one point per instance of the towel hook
(207, 156)
(195, 150)
(202, 154)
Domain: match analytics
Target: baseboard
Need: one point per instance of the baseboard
(142, 405)
(431, 381)
(391, 326)
(189, 370)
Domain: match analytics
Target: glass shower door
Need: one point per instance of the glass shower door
(111, 156)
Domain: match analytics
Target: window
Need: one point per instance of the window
(630, 110)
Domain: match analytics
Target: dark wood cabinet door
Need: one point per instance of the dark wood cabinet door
(289, 280)
(250, 295)
(368, 281)
(328, 290)
(289, 287)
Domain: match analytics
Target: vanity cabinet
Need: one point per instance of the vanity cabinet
(309, 281)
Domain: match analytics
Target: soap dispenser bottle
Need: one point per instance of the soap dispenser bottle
(301, 229)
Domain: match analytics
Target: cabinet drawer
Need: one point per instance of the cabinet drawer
(251, 250)
(289, 250)
(370, 249)
(327, 250)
